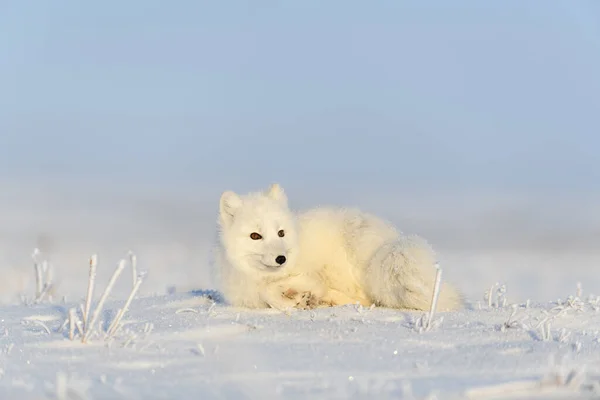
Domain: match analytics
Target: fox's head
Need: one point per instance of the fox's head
(258, 230)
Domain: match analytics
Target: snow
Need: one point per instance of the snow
(188, 345)
(536, 336)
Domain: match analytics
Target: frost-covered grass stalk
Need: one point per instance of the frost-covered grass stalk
(500, 292)
(47, 284)
(546, 334)
(42, 325)
(513, 321)
(39, 280)
(490, 295)
(90, 320)
(90, 291)
(133, 261)
(89, 329)
(72, 323)
(114, 326)
(435, 295)
(426, 321)
(501, 297)
(48, 276)
(43, 277)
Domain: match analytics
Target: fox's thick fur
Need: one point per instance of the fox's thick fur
(332, 257)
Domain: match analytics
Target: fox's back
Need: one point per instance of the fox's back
(335, 243)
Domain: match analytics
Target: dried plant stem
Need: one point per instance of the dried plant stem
(42, 294)
(115, 324)
(39, 280)
(49, 273)
(98, 309)
(133, 261)
(38, 272)
(43, 325)
(90, 291)
(72, 324)
(435, 295)
(79, 326)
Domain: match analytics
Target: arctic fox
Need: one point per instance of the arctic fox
(268, 256)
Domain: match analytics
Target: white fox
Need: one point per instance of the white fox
(270, 257)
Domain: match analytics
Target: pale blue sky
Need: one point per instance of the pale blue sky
(456, 93)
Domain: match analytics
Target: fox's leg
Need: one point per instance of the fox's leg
(279, 298)
(299, 291)
(401, 274)
(305, 300)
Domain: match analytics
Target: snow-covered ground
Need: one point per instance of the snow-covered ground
(184, 346)
(181, 342)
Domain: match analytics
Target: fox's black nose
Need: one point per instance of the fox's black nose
(280, 260)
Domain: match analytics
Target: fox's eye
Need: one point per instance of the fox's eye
(255, 236)
(281, 233)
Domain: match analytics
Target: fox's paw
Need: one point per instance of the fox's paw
(303, 300)
(327, 303)
(307, 301)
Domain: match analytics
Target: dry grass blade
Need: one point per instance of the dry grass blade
(133, 262)
(98, 310)
(115, 324)
(72, 324)
(435, 295)
(90, 291)
(39, 280)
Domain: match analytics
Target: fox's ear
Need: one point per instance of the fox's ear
(228, 205)
(276, 192)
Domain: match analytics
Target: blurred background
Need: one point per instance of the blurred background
(474, 124)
